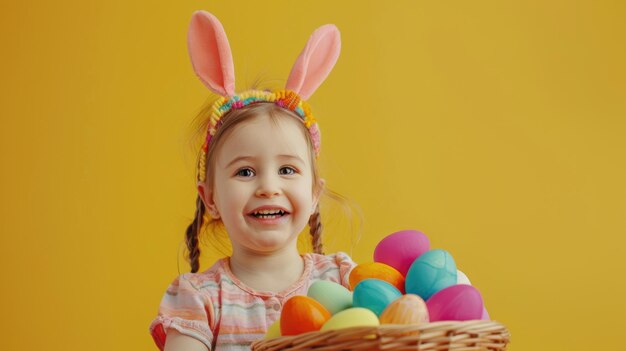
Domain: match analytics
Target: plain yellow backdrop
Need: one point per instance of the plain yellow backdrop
(495, 127)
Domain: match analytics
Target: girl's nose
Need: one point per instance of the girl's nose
(268, 187)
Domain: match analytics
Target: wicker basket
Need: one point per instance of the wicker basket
(449, 335)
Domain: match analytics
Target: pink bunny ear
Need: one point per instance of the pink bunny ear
(210, 53)
(315, 61)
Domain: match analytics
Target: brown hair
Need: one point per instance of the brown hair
(230, 120)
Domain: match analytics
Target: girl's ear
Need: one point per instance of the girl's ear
(210, 53)
(318, 193)
(207, 198)
(315, 61)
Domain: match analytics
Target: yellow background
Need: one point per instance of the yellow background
(495, 127)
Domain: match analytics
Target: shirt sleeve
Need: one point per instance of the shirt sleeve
(185, 309)
(345, 264)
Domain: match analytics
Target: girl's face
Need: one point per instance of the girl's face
(263, 188)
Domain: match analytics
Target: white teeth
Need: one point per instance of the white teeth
(267, 216)
(268, 213)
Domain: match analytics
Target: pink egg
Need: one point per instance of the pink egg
(485, 315)
(400, 249)
(455, 303)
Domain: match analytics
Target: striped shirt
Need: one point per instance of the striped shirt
(223, 313)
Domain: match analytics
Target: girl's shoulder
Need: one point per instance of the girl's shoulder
(338, 259)
(334, 267)
(189, 306)
(206, 280)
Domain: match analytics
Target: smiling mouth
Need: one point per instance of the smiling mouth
(268, 214)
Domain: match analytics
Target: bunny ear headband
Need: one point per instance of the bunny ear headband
(213, 63)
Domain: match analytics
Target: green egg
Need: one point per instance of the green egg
(335, 297)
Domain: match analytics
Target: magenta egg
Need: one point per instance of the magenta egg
(455, 303)
(485, 315)
(400, 249)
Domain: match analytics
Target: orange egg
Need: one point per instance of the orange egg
(302, 314)
(379, 271)
(408, 309)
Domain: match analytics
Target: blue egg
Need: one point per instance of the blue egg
(432, 271)
(375, 295)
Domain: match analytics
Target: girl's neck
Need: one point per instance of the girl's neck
(271, 272)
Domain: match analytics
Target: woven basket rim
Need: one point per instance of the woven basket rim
(466, 335)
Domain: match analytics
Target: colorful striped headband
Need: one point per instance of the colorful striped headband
(212, 61)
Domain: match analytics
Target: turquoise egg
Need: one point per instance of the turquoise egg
(432, 271)
(375, 295)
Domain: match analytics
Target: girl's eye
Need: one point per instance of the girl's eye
(287, 171)
(245, 172)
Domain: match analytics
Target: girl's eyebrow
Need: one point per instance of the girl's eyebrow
(252, 158)
(296, 157)
(240, 158)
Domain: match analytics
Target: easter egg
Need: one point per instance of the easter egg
(456, 303)
(335, 297)
(302, 314)
(379, 271)
(432, 271)
(408, 309)
(400, 249)
(374, 294)
(352, 317)
(273, 331)
(461, 278)
(485, 316)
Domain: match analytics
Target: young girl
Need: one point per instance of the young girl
(257, 176)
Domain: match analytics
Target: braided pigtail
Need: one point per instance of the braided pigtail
(315, 228)
(192, 234)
